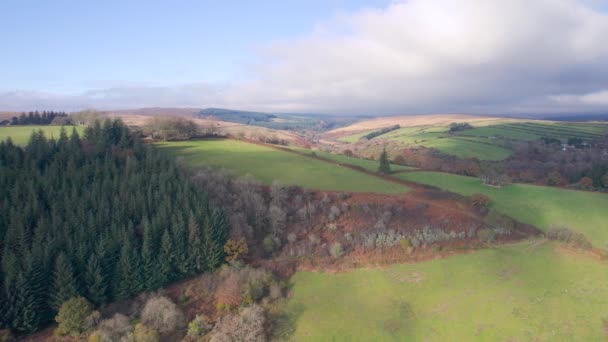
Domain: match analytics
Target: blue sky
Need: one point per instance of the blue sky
(325, 56)
(70, 46)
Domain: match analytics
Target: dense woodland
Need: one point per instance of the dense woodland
(100, 216)
(34, 118)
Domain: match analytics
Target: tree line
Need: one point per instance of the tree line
(100, 216)
(34, 118)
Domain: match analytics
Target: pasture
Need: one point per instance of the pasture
(20, 135)
(369, 165)
(541, 206)
(489, 139)
(267, 165)
(523, 292)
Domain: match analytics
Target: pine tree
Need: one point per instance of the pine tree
(166, 259)
(385, 165)
(95, 281)
(64, 284)
(216, 235)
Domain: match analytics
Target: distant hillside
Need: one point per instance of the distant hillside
(415, 120)
(579, 117)
(239, 116)
(155, 111)
(280, 121)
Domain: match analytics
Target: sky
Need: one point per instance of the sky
(377, 57)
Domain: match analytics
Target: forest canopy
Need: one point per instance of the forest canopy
(100, 216)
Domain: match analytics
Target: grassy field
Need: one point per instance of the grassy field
(537, 130)
(538, 205)
(21, 134)
(488, 139)
(521, 292)
(267, 164)
(354, 137)
(370, 165)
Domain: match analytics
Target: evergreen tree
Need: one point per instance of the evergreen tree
(385, 165)
(64, 284)
(95, 281)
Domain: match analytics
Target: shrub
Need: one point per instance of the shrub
(275, 290)
(228, 295)
(72, 315)
(235, 248)
(480, 200)
(199, 327)
(269, 244)
(336, 250)
(486, 235)
(92, 320)
(565, 235)
(144, 334)
(586, 183)
(113, 329)
(291, 237)
(6, 336)
(554, 178)
(334, 213)
(162, 315)
(405, 244)
(248, 325)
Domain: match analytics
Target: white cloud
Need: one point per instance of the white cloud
(416, 56)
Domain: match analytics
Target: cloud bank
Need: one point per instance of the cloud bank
(416, 56)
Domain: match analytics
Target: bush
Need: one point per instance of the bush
(234, 249)
(199, 327)
(336, 250)
(144, 334)
(586, 183)
(6, 335)
(228, 294)
(565, 235)
(486, 235)
(72, 315)
(269, 244)
(113, 329)
(480, 200)
(248, 325)
(162, 315)
(405, 244)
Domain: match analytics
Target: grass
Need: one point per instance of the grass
(370, 165)
(541, 206)
(267, 165)
(487, 140)
(520, 292)
(468, 149)
(438, 138)
(355, 137)
(20, 135)
(536, 130)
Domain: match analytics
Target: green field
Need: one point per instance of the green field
(487, 140)
(267, 165)
(21, 134)
(370, 165)
(541, 206)
(521, 292)
(355, 137)
(537, 130)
